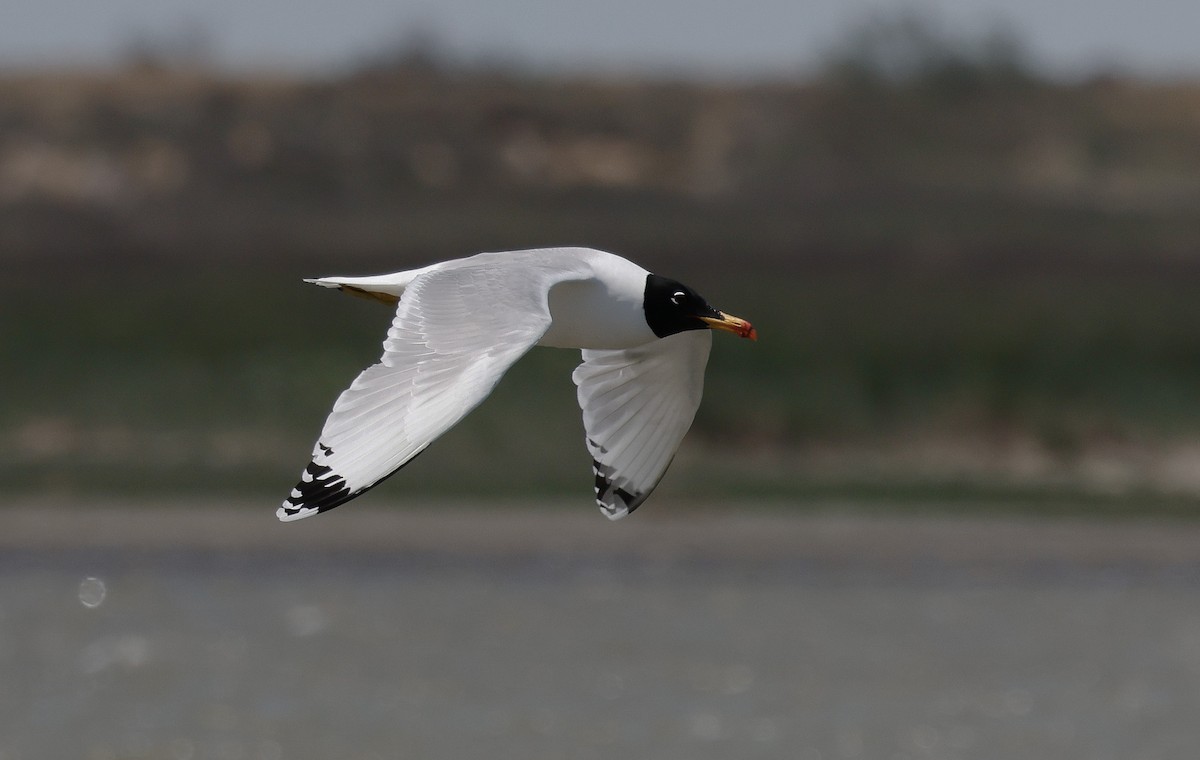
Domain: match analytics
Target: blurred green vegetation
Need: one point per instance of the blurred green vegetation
(148, 382)
(970, 283)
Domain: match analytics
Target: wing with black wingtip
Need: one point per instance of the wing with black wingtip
(456, 331)
(637, 406)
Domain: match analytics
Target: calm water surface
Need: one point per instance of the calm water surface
(246, 655)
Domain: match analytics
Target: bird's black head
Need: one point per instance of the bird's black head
(672, 307)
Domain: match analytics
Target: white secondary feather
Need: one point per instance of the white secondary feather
(637, 405)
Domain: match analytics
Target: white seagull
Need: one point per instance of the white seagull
(461, 324)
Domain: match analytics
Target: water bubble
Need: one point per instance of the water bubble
(92, 592)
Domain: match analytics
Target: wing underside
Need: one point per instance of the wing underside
(637, 406)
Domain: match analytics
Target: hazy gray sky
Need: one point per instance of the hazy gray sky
(1150, 37)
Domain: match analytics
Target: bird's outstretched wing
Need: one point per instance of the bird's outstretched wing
(456, 331)
(637, 405)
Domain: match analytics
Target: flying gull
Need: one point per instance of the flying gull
(460, 324)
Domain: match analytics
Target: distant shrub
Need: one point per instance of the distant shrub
(911, 51)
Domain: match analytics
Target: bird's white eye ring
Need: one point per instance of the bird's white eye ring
(677, 297)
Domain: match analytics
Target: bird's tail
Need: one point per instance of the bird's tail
(386, 288)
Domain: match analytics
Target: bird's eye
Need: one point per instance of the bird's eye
(677, 297)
